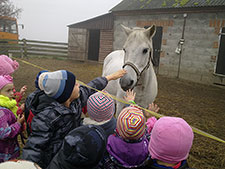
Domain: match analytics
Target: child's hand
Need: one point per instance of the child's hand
(116, 75)
(152, 107)
(22, 107)
(130, 95)
(21, 119)
(23, 90)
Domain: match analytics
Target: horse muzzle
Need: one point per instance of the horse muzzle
(126, 83)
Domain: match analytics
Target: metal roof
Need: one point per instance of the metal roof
(101, 22)
(128, 5)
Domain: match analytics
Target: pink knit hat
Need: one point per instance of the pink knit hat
(7, 65)
(171, 140)
(100, 107)
(4, 80)
(131, 123)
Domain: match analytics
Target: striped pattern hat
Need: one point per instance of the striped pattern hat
(100, 107)
(57, 85)
(131, 123)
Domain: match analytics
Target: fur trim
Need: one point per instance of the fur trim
(87, 121)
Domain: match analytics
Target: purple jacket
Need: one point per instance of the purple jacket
(9, 129)
(127, 154)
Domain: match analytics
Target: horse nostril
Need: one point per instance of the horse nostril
(131, 83)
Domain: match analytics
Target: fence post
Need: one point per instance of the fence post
(21, 47)
(25, 47)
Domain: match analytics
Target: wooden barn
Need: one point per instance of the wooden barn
(92, 39)
(189, 42)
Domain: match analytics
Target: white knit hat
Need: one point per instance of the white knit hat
(20, 164)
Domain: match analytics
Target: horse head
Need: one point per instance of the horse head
(138, 53)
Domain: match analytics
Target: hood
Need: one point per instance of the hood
(127, 154)
(39, 101)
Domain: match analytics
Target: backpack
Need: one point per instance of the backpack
(31, 101)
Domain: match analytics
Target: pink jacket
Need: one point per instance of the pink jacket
(9, 129)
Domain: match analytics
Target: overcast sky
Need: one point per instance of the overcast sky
(48, 19)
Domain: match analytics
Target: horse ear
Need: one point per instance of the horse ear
(150, 32)
(126, 29)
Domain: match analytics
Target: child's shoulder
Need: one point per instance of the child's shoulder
(5, 111)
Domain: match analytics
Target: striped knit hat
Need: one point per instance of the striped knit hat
(57, 85)
(131, 123)
(100, 107)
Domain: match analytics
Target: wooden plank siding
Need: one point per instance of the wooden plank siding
(77, 46)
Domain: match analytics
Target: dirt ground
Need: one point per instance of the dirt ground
(202, 106)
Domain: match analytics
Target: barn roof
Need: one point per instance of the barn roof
(128, 5)
(101, 22)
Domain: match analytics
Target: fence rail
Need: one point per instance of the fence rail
(27, 48)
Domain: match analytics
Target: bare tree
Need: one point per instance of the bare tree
(7, 8)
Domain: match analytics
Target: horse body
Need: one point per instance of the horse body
(135, 58)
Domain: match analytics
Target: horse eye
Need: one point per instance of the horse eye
(145, 50)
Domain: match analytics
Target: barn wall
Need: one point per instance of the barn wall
(106, 44)
(77, 44)
(199, 50)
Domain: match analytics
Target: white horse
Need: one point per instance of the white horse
(136, 58)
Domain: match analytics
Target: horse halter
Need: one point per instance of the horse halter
(136, 69)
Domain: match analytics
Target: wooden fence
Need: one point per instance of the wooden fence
(28, 48)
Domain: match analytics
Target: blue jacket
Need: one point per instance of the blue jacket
(53, 121)
(152, 164)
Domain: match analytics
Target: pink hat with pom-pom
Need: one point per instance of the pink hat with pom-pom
(4, 80)
(7, 65)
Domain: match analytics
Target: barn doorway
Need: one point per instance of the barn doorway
(157, 42)
(220, 68)
(93, 45)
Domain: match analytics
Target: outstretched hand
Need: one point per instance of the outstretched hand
(23, 90)
(130, 95)
(22, 107)
(116, 75)
(152, 107)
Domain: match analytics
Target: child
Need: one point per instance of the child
(7, 67)
(128, 147)
(170, 143)
(31, 99)
(83, 148)
(10, 126)
(100, 109)
(57, 109)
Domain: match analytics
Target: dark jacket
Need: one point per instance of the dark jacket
(82, 148)
(53, 121)
(109, 126)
